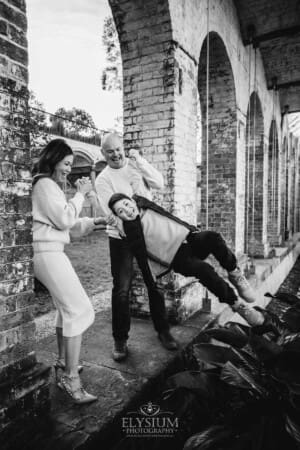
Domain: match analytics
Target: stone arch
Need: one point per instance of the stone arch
(254, 177)
(220, 200)
(273, 185)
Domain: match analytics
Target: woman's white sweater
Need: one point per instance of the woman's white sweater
(54, 218)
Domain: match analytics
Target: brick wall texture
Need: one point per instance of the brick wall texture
(17, 301)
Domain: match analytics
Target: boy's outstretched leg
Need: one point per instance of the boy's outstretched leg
(205, 243)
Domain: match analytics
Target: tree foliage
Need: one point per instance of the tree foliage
(112, 73)
(73, 120)
(37, 123)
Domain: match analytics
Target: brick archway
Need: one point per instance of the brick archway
(254, 178)
(273, 185)
(220, 201)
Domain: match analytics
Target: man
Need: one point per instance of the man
(133, 175)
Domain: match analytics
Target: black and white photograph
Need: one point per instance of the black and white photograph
(150, 224)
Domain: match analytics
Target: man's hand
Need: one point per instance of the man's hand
(134, 155)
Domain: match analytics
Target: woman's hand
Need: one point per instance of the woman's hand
(111, 220)
(99, 221)
(84, 185)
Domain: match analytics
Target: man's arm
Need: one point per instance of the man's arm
(153, 177)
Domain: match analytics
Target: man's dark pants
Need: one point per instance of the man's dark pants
(189, 262)
(121, 260)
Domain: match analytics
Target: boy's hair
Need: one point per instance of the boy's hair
(115, 198)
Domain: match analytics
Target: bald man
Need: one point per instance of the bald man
(133, 175)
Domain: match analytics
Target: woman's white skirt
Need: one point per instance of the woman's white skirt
(53, 268)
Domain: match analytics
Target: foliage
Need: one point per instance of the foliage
(112, 73)
(37, 123)
(247, 385)
(75, 120)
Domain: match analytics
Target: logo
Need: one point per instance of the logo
(150, 421)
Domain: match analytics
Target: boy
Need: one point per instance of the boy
(161, 242)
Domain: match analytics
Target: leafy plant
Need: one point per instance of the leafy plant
(247, 385)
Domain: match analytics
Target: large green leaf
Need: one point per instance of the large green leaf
(241, 379)
(214, 354)
(293, 427)
(291, 342)
(203, 382)
(235, 337)
(265, 349)
(208, 438)
(292, 318)
(272, 323)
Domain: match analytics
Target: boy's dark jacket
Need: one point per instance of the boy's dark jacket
(136, 240)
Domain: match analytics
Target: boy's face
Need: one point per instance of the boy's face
(126, 209)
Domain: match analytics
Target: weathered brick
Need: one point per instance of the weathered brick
(13, 51)
(18, 18)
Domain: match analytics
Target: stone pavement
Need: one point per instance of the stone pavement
(119, 386)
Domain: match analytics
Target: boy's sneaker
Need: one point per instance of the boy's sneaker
(167, 340)
(251, 315)
(120, 351)
(239, 281)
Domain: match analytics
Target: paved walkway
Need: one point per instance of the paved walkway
(118, 386)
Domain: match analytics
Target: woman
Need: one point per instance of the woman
(54, 218)
(161, 242)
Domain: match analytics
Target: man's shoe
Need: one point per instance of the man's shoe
(241, 284)
(167, 340)
(120, 351)
(251, 315)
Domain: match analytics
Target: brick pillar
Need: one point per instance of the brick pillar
(240, 186)
(283, 184)
(297, 188)
(222, 139)
(273, 185)
(23, 382)
(256, 178)
(292, 191)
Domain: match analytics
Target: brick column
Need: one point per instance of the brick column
(23, 382)
(297, 187)
(222, 139)
(292, 190)
(273, 186)
(283, 185)
(256, 180)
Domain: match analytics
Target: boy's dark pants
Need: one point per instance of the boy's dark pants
(122, 272)
(189, 262)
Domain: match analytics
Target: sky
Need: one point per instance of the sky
(66, 57)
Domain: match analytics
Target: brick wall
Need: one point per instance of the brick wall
(16, 275)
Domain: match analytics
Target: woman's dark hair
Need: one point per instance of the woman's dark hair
(54, 152)
(115, 198)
